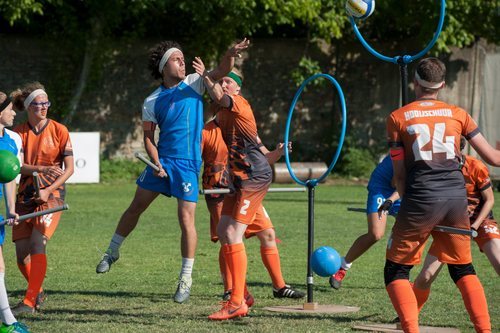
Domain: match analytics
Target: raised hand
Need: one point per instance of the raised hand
(235, 51)
(199, 67)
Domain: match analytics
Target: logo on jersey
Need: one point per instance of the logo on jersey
(427, 104)
(186, 187)
(491, 230)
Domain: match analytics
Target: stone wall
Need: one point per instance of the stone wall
(119, 81)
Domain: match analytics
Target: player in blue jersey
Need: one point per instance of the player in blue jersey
(176, 108)
(10, 141)
(382, 200)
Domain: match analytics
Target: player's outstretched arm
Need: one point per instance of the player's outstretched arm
(485, 150)
(214, 89)
(274, 155)
(227, 62)
(488, 202)
(149, 145)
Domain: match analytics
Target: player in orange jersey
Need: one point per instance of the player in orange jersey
(481, 200)
(216, 175)
(47, 150)
(424, 140)
(251, 176)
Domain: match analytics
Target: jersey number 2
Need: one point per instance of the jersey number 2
(440, 144)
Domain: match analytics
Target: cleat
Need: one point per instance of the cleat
(230, 311)
(287, 292)
(336, 279)
(22, 308)
(226, 296)
(107, 260)
(40, 299)
(183, 290)
(17, 327)
(249, 299)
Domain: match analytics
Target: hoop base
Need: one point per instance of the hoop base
(394, 328)
(312, 308)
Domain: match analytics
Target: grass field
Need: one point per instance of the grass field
(136, 295)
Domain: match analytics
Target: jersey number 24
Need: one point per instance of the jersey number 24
(440, 143)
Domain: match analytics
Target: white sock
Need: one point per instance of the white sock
(7, 316)
(187, 267)
(344, 264)
(116, 242)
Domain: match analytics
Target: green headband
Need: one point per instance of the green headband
(236, 78)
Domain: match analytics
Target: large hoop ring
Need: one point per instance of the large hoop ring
(314, 182)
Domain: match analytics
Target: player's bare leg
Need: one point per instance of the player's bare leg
(492, 250)
(189, 240)
(128, 221)
(376, 230)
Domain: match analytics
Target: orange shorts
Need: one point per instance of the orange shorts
(45, 224)
(487, 231)
(414, 225)
(246, 200)
(260, 222)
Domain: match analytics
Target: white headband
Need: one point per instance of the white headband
(165, 57)
(34, 94)
(427, 84)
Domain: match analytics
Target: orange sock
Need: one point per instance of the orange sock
(25, 270)
(271, 259)
(421, 295)
(475, 302)
(36, 277)
(236, 258)
(404, 302)
(227, 279)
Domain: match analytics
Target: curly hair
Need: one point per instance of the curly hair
(155, 55)
(19, 95)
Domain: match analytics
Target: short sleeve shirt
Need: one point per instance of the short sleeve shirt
(239, 131)
(178, 112)
(215, 157)
(381, 177)
(429, 132)
(10, 141)
(47, 147)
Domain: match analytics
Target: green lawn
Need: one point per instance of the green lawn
(136, 295)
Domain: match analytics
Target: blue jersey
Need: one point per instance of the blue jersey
(381, 177)
(178, 112)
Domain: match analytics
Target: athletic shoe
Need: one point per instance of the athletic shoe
(183, 289)
(287, 292)
(336, 279)
(17, 327)
(40, 299)
(107, 260)
(249, 299)
(22, 308)
(230, 311)
(226, 296)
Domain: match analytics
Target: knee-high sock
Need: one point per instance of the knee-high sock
(271, 259)
(404, 302)
(5, 312)
(36, 277)
(25, 270)
(475, 302)
(421, 295)
(236, 259)
(225, 273)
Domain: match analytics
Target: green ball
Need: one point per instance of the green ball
(9, 166)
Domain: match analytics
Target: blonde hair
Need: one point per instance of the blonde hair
(3, 97)
(19, 95)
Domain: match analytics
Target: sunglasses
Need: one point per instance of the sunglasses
(41, 105)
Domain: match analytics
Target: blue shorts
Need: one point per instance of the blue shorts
(2, 232)
(182, 181)
(376, 199)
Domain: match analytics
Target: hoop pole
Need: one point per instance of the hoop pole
(403, 70)
(310, 241)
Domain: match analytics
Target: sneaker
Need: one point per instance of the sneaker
(40, 299)
(17, 327)
(226, 296)
(336, 279)
(249, 299)
(287, 292)
(105, 264)
(230, 311)
(22, 308)
(183, 290)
